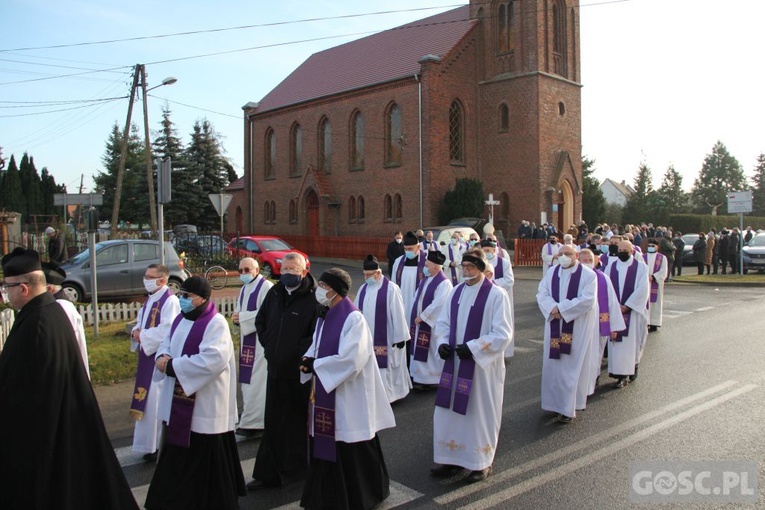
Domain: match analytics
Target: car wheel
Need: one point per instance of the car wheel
(72, 292)
(267, 271)
(174, 285)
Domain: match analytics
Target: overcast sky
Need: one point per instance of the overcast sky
(663, 79)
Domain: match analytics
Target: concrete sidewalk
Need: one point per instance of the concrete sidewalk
(114, 399)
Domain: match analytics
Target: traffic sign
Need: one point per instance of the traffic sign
(220, 202)
(78, 199)
(740, 202)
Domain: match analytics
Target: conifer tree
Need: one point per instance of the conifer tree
(720, 174)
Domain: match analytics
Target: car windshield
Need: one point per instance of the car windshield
(84, 255)
(757, 241)
(274, 245)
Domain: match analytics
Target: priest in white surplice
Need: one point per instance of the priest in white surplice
(253, 372)
(453, 253)
(379, 299)
(657, 270)
(502, 274)
(407, 270)
(610, 321)
(566, 298)
(152, 327)
(472, 333)
(550, 254)
(433, 291)
(630, 279)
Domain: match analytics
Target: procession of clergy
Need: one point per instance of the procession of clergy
(442, 322)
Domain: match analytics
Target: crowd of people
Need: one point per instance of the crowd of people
(440, 321)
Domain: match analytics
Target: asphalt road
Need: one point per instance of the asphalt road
(699, 397)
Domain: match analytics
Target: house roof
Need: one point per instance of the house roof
(379, 58)
(237, 184)
(621, 187)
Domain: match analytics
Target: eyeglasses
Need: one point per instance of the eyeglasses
(185, 294)
(245, 270)
(6, 286)
(467, 265)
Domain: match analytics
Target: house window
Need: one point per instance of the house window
(270, 154)
(293, 211)
(352, 210)
(504, 207)
(397, 209)
(273, 211)
(266, 213)
(561, 109)
(296, 151)
(360, 212)
(357, 141)
(393, 136)
(505, 15)
(456, 134)
(504, 117)
(559, 38)
(325, 145)
(388, 208)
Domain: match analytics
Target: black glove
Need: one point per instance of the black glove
(463, 352)
(399, 345)
(445, 351)
(306, 366)
(169, 371)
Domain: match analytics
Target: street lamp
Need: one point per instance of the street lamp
(140, 70)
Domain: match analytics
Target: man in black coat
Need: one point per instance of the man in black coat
(285, 324)
(395, 250)
(56, 245)
(734, 251)
(722, 246)
(54, 450)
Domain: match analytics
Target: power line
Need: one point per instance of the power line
(65, 75)
(54, 111)
(196, 107)
(40, 104)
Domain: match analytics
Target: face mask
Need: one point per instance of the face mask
(624, 256)
(410, 254)
(564, 260)
(321, 296)
(613, 249)
(553, 241)
(290, 280)
(151, 286)
(371, 280)
(651, 249)
(455, 241)
(468, 278)
(473, 242)
(246, 278)
(489, 256)
(588, 264)
(604, 248)
(426, 272)
(186, 305)
(399, 240)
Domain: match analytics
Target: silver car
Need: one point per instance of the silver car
(120, 265)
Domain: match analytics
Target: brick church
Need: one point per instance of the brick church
(366, 138)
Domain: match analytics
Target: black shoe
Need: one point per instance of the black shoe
(620, 383)
(652, 329)
(256, 485)
(563, 419)
(249, 432)
(479, 476)
(423, 387)
(445, 470)
(635, 375)
(150, 457)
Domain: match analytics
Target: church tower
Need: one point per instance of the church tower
(530, 92)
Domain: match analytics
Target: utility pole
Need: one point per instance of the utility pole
(123, 155)
(147, 150)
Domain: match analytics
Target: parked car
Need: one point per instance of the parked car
(120, 265)
(442, 234)
(688, 239)
(754, 254)
(267, 250)
(209, 246)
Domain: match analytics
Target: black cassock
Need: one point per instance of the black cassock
(54, 451)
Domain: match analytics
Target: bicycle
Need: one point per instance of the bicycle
(217, 276)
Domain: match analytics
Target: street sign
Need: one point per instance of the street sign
(220, 202)
(740, 202)
(78, 199)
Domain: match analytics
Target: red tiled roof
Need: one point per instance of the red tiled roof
(378, 58)
(237, 184)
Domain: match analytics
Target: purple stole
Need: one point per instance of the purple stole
(422, 344)
(604, 316)
(656, 267)
(560, 330)
(604, 261)
(323, 412)
(420, 265)
(182, 409)
(499, 269)
(467, 366)
(380, 333)
(145, 371)
(629, 288)
(452, 269)
(249, 342)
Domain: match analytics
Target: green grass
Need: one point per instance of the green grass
(110, 358)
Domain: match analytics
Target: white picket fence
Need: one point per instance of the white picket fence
(109, 312)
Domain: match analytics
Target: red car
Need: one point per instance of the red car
(267, 250)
